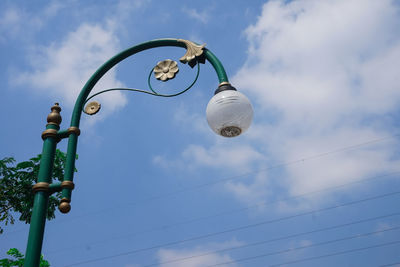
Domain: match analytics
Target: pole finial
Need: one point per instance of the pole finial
(54, 117)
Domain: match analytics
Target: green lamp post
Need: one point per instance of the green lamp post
(229, 113)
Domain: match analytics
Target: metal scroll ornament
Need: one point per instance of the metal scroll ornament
(166, 70)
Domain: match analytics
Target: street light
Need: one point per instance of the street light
(229, 113)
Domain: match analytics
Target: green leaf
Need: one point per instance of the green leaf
(43, 262)
(15, 253)
(25, 165)
(19, 259)
(16, 181)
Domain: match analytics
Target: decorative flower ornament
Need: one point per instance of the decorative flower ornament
(92, 108)
(165, 70)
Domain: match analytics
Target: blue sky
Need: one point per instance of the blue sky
(313, 182)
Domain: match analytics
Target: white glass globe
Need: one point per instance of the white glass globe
(229, 113)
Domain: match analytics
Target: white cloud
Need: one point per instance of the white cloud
(323, 75)
(10, 17)
(237, 158)
(53, 8)
(297, 252)
(233, 159)
(252, 191)
(192, 121)
(167, 257)
(384, 229)
(327, 72)
(11, 20)
(17, 23)
(62, 69)
(202, 16)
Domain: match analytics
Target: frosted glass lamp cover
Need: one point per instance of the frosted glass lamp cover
(229, 113)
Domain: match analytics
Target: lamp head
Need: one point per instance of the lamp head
(229, 112)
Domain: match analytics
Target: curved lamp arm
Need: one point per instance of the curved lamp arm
(193, 54)
(229, 113)
(76, 114)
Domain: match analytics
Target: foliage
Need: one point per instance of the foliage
(16, 181)
(19, 259)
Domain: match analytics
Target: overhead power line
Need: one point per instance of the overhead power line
(301, 247)
(263, 203)
(276, 252)
(279, 165)
(391, 264)
(248, 226)
(338, 253)
(306, 158)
